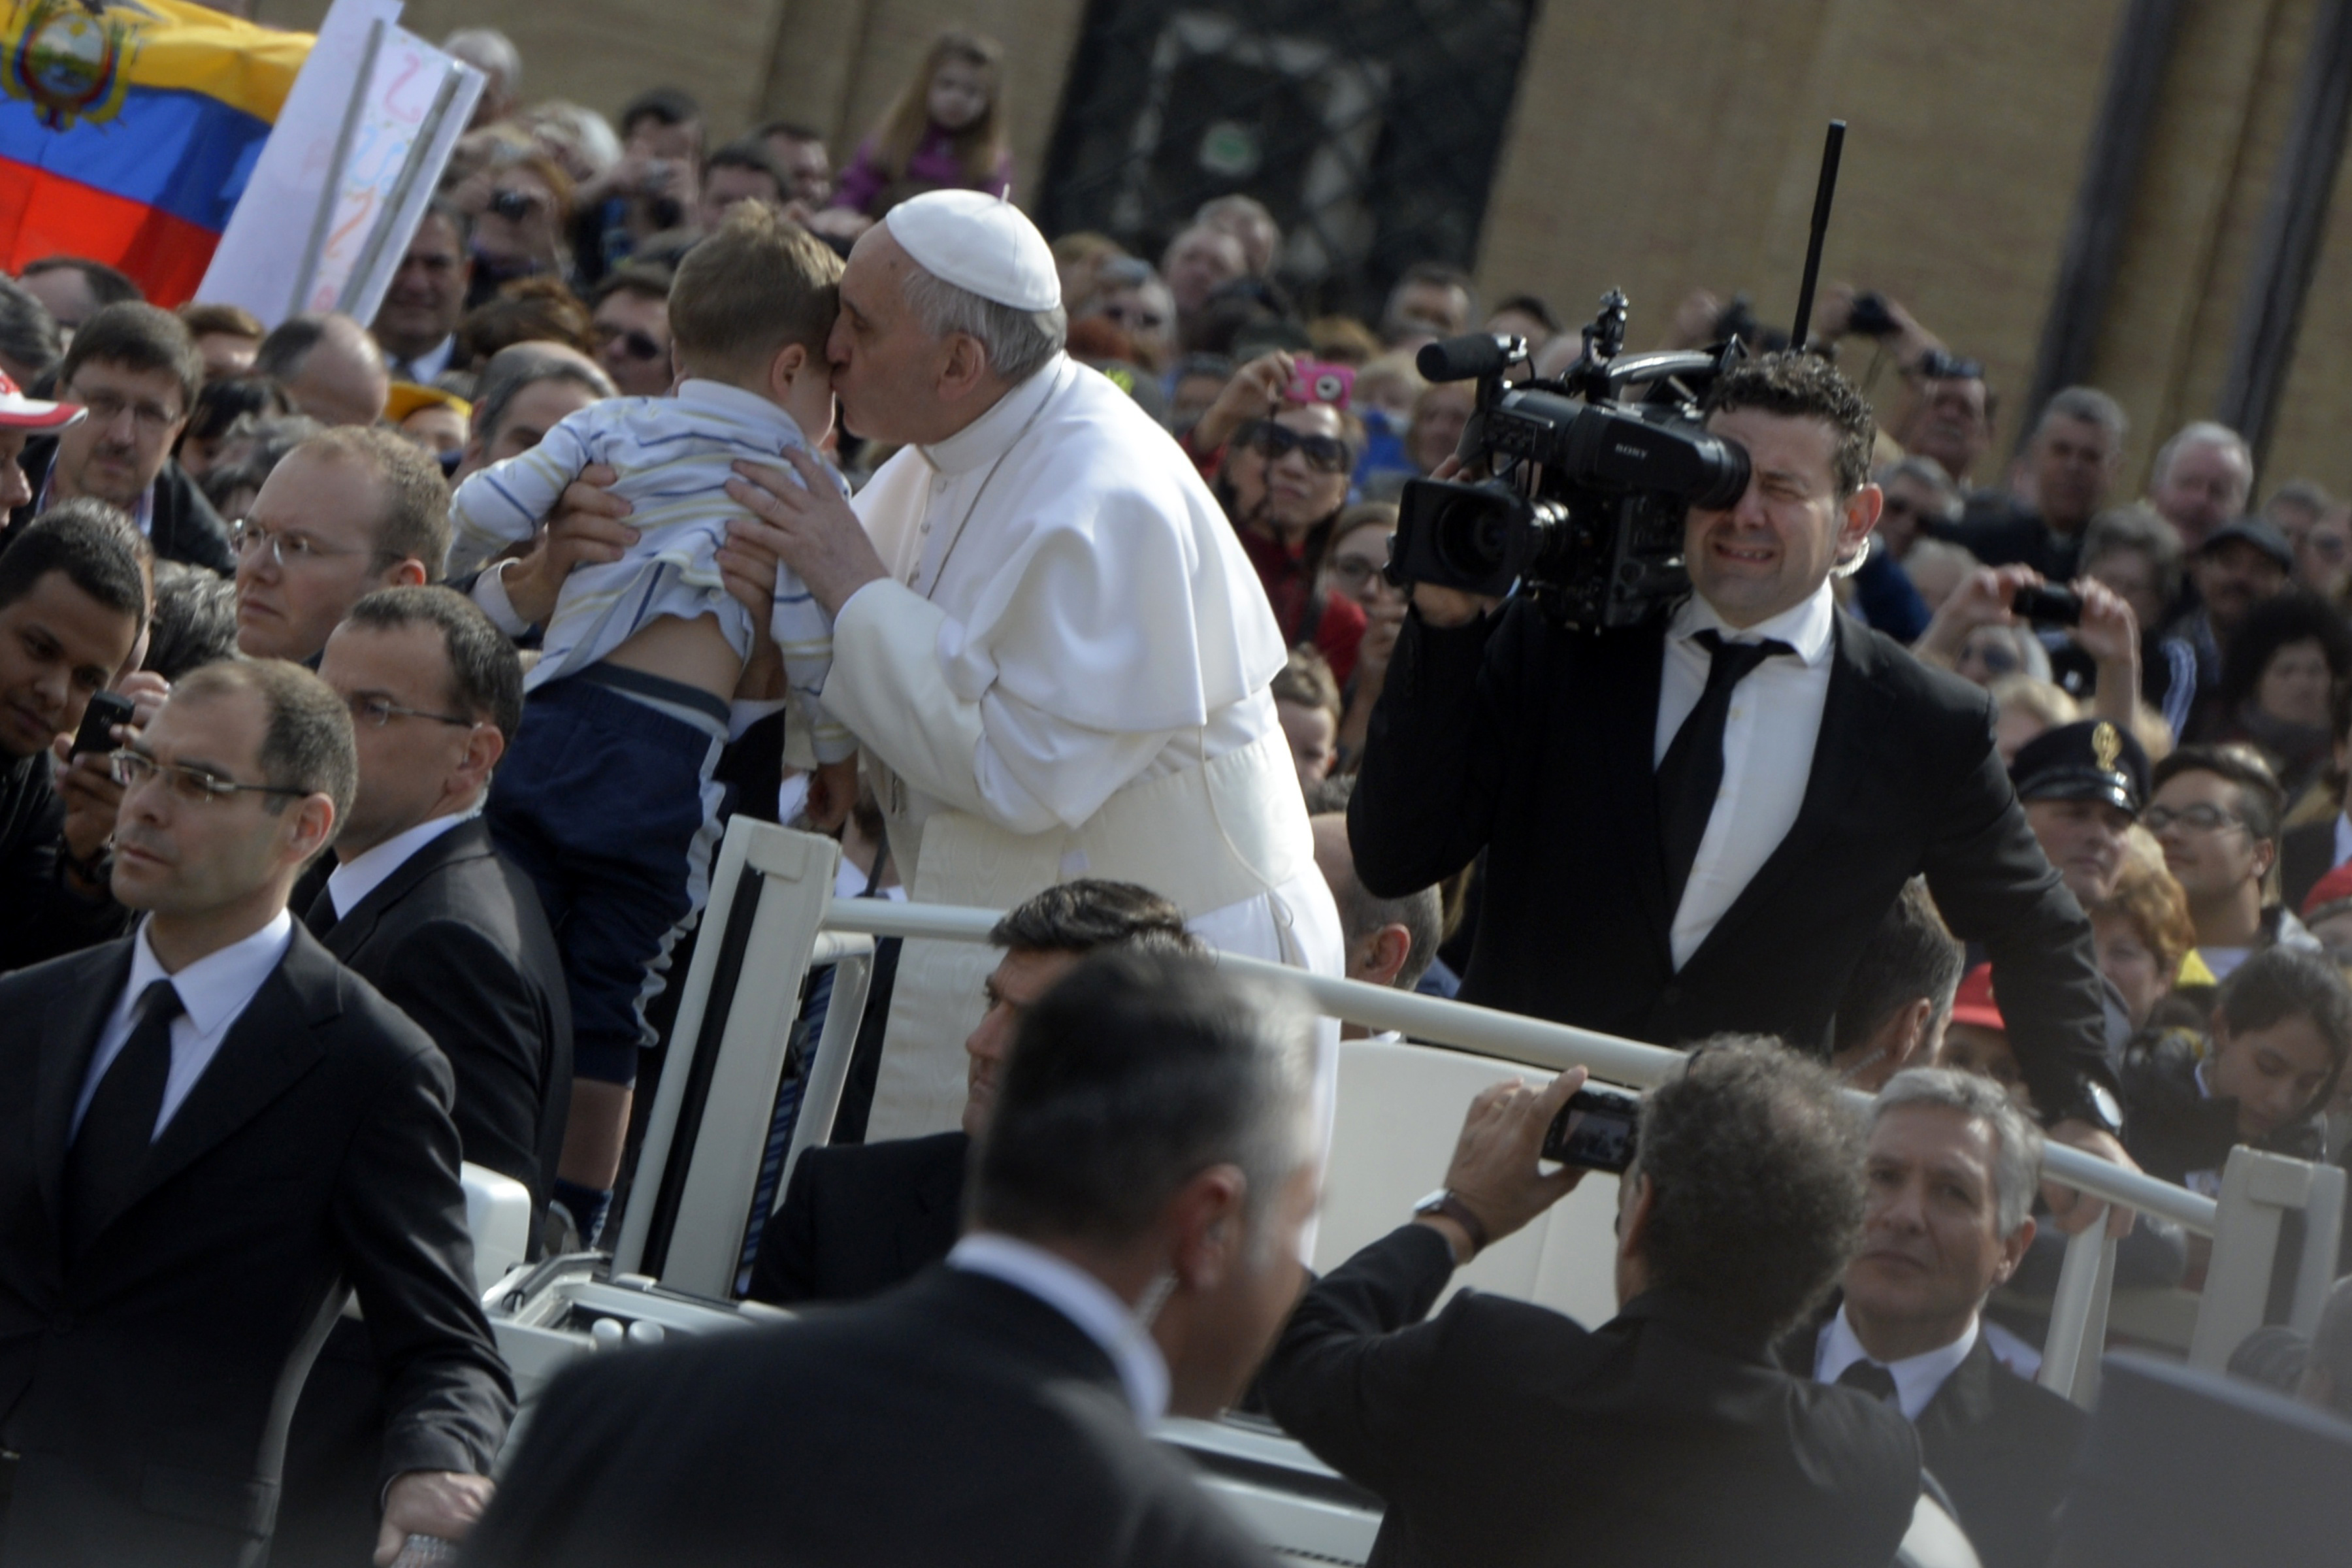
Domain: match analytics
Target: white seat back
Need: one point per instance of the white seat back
(1399, 1112)
(497, 1211)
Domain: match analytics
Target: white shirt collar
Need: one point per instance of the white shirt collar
(364, 872)
(1809, 628)
(217, 987)
(1916, 1378)
(1086, 1301)
(992, 435)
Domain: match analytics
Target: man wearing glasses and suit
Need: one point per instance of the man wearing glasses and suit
(206, 1129)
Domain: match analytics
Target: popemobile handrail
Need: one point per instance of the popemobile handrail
(1465, 1027)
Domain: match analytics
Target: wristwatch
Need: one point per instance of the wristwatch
(1444, 1202)
(2096, 1103)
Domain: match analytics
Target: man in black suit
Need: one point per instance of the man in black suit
(1501, 1433)
(859, 1218)
(1950, 1171)
(1138, 1201)
(1681, 841)
(137, 370)
(212, 1125)
(420, 906)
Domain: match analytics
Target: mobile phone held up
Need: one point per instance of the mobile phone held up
(1595, 1129)
(2047, 606)
(106, 709)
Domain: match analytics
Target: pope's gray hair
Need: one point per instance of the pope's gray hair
(1018, 343)
(2017, 1160)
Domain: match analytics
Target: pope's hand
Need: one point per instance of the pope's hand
(802, 523)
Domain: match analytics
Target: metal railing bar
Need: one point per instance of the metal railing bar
(1463, 1026)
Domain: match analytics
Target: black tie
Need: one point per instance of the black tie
(321, 916)
(1691, 777)
(1869, 1378)
(120, 1121)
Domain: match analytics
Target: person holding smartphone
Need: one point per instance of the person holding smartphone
(73, 603)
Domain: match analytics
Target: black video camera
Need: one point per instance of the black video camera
(1572, 492)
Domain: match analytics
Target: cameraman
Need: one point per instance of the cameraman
(1677, 850)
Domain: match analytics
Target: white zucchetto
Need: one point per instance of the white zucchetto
(982, 244)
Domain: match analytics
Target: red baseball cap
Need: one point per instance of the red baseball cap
(1973, 1003)
(18, 412)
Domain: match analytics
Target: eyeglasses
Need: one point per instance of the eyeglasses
(1134, 316)
(106, 407)
(283, 547)
(2196, 819)
(1326, 453)
(131, 769)
(632, 342)
(1895, 506)
(1355, 571)
(378, 711)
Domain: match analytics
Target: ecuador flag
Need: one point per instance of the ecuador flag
(128, 129)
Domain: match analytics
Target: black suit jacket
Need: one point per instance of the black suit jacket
(2306, 855)
(1500, 1433)
(957, 1419)
(455, 939)
(186, 527)
(859, 1218)
(2001, 1447)
(1517, 736)
(147, 1382)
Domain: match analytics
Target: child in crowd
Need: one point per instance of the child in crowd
(607, 798)
(1306, 698)
(2279, 1035)
(947, 130)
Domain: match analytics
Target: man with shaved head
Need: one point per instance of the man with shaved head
(334, 372)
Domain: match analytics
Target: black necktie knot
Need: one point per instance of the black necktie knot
(1729, 663)
(1869, 1378)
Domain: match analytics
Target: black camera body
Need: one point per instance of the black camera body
(1571, 493)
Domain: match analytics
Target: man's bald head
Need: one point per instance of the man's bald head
(331, 367)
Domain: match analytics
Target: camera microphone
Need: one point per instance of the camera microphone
(1471, 358)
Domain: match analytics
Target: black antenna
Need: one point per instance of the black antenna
(1830, 149)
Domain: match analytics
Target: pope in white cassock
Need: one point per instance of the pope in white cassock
(1045, 634)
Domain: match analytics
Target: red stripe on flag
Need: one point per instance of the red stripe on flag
(51, 216)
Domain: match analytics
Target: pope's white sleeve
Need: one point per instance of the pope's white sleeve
(998, 758)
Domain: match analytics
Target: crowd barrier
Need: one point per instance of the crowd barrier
(772, 916)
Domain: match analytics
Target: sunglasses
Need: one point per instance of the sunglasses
(634, 344)
(1326, 453)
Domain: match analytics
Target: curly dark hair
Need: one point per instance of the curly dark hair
(1082, 915)
(1805, 385)
(1754, 1162)
(2296, 615)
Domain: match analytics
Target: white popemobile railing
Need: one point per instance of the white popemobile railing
(773, 916)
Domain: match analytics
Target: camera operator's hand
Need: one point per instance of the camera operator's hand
(1255, 393)
(1448, 607)
(1495, 1173)
(2076, 1211)
(1983, 599)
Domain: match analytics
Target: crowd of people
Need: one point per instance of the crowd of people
(372, 695)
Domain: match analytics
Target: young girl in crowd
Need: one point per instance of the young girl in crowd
(945, 130)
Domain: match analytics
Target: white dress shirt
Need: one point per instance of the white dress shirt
(1916, 1378)
(364, 872)
(1768, 747)
(1086, 1301)
(214, 992)
(426, 367)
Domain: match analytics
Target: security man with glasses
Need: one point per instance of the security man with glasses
(208, 1130)
(419, 904)
(348, 511)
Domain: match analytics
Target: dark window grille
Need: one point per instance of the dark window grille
(1370, 128)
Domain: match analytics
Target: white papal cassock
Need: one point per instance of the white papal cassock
(1067, 675)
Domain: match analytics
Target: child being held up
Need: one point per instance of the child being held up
(607, 798)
